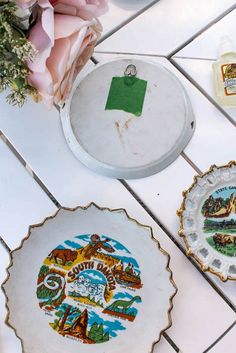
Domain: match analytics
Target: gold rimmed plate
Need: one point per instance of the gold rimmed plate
(89, 280)
(208, 220)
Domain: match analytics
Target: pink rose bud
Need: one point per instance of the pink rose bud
(64, 44)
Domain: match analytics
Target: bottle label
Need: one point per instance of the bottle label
(229, 78)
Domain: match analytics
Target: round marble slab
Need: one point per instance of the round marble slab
(89, 280)
(120, 144)
(208, 221)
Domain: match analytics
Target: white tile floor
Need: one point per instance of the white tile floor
(226, 343)
(201, 72)
(197, 57)
(164, 27)
(204, 307)
(123, 11)
(22, 203)
(206, 45)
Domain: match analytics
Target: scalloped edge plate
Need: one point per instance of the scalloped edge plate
(21, 284)
(211, 252)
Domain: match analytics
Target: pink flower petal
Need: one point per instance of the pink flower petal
(42, 37)
(66, 25)
(58, 61)
(85, 9)
(65, 9)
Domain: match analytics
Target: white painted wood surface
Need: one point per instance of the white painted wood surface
(202, 312)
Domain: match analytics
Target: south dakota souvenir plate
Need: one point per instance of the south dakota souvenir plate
(208, 221)
(89, 280)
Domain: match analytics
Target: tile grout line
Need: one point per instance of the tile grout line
(180, 247)
(128, 20)
(202, 30)
(220, 337)
(191, 163)
(29, 169)
(171, 342)
(202, 91)
(194, 58)
(127, 53)
(94, 60)
(4, 244)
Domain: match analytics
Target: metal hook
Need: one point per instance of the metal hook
(131, 71)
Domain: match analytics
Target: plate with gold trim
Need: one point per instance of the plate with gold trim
(208, 220)
(89, 280)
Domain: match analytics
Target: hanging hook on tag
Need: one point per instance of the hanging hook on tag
(131, 71)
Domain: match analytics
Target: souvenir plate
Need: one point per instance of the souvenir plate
(208, 221)
(89, 280)
(108, 138)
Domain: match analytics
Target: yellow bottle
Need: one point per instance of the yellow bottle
(224, 70)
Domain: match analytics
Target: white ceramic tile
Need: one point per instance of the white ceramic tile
(162, 193)
(214, 141)
(120, 11)
(206, 45)
(201, 71)
(22, 201)
(226, 344)
(9, 343)
(211, 124)
(165, 26)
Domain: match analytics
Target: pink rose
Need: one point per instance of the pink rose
(86, 9)
(64, 45)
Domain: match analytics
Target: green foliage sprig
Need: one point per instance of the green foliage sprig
(15, 51)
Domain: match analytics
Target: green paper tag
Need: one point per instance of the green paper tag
(127, 94)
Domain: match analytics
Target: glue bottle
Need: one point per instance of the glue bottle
(224, 70)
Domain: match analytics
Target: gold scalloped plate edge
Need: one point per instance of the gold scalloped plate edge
(181, 230)
(36, 225)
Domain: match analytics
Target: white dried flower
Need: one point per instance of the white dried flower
(25, 52)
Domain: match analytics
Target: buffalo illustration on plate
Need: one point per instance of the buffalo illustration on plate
(219, 211)
(208, 220)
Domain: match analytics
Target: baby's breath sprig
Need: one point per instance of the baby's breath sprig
(15, 52)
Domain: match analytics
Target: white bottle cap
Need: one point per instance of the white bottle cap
(226, 46)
